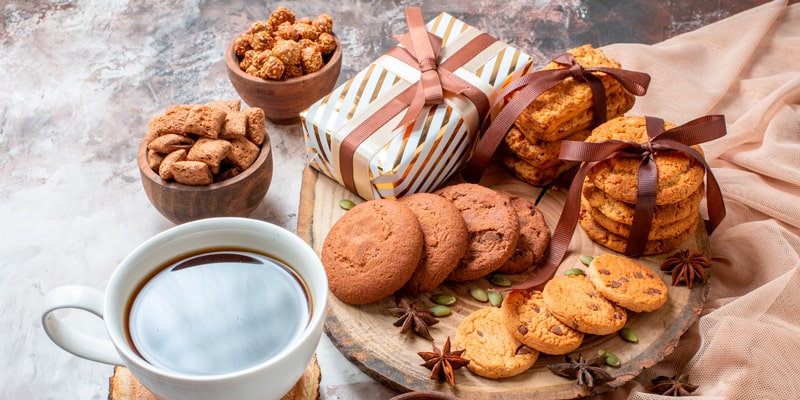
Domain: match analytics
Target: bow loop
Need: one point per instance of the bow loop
(420, 46)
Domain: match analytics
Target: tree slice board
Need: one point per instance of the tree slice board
(365, 334)
(124, 386)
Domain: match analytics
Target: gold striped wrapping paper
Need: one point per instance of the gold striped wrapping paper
(418, 157)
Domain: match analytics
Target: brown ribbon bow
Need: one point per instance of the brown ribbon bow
(531, 86)
(700, 130)
(420, 50)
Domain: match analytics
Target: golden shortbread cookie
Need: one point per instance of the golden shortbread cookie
(679, 175)
(490, 348)
(530, 322)
(574, 300)
(627, 283)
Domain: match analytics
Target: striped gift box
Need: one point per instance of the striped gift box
(393, 161)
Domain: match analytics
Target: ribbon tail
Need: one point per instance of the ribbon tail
(496, 131)
(562, 235)
(645, 204)
(634, 82)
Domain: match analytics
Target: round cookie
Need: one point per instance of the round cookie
(679, 175)
(530, 322)
(372, 251)
(622, 212)
(604, 237)
(493, 229)
(574, 301)
(491, 350)
(626, 282)
(534, 236)
(445, 240)
(656, 232)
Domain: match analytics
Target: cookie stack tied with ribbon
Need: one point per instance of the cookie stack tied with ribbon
(530, 149)
(643, 170)
(575, 92)
(609, 195)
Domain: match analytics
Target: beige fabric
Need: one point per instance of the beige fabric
(746, 344)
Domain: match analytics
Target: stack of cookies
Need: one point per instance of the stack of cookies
(459, 233)
(530, 149)
(505, 342)
(610, 189)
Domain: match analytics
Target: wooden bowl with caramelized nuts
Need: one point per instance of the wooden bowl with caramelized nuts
(283, 100)
(237, 196)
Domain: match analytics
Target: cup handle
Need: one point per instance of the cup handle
(71, 339)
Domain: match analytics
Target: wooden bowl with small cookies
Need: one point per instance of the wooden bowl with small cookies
(281, 98)
(232, 186)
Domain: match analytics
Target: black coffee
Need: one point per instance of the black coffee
(218, 312)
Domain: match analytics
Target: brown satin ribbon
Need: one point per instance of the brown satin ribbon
(421, 51)
(700, 130)
(531, 86)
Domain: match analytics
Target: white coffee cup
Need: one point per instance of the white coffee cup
(269, 379)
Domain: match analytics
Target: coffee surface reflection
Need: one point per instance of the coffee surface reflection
(218, 312)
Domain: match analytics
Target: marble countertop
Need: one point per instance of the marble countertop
(82, 78)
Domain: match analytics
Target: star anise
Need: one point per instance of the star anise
(674, 386)
(443, 362)
(686, 265)
(587, 371)
(410, 316)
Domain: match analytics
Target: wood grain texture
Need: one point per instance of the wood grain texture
(366, 336)
(124, 386)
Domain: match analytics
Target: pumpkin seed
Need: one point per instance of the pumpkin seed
(346, 204)
(499, 280)
(439, 310)
(610, 358)
(586, 260)
(444, 299)
(479, 294)
(629, 335)
(496, 299)
(574, 271)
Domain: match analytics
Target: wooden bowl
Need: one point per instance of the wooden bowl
(234, 197)
(282, 101)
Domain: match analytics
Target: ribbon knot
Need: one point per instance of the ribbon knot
(700, 130)
(647, 149)
(530, 86)
(420, 50)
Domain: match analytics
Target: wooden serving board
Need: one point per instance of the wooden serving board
(366, 336)
(124, 386)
